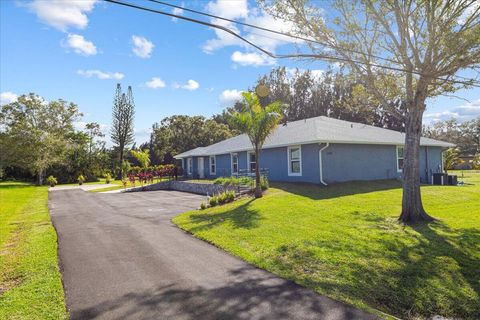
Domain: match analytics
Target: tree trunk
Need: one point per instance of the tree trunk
(40, 177)
(120, 172)
(258, 187)
(412, 207)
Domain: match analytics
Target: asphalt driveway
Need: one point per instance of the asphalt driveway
(122, 258)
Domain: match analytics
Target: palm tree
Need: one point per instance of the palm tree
(257, 123)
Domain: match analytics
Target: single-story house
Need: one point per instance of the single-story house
(318, 150)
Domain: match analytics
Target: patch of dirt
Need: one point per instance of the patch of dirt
(8, 284)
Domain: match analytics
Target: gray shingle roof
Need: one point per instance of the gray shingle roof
(314, 130)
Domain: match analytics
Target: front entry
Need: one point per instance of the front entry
(200, 168)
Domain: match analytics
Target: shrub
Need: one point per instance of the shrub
(203, 206)
(264, 183)
(81, 179)
(52, 181)
(222, 198)
(213, 201)
(233, 181)
(108, 178)
(476, 162)
(230, 196)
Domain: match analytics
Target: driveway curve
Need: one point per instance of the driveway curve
(122, 258)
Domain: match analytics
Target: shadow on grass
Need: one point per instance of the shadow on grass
(248, 294)
(317, 192)
(438, 273)
(242, 216)
(15, 185)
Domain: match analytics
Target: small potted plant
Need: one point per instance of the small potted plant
(108, 178)
(81, 179)
(52, 181)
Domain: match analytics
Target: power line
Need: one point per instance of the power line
(274, 31)
(263, 28)
(278, 56)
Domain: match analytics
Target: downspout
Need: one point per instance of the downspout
(320, 163)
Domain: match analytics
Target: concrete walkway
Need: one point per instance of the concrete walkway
(122, 258)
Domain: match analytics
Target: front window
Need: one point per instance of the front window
(399, 159)
(213, 165)
(234, 163)
(252, 161)
(189, 165)
(295, 161)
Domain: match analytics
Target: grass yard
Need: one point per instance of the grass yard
(30, 281)
(344, 241)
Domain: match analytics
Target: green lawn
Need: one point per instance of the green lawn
(30, 281)
(344, 241)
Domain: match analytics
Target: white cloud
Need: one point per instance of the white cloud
(80, 45)
(142, 47)
(228, 9)
(252, 59)
(62, 14)
(178, 12)
(190, 85)
(101, 74)
(155, 83)
(228, 97)
(7, 97)
(465, 112)
(239, 10)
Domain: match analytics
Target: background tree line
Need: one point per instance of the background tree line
(38, 138)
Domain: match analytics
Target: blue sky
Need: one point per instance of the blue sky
(78, 50)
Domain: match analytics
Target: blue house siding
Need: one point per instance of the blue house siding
(276, 161)
(340, 162)
(347, 162)
(430, 162)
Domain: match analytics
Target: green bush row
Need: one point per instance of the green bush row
(241, 181)
(224, 197)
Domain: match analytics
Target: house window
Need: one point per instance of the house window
(234, 163)
(213, 165)
(189, 165)
(295, 161)
(252, 162)
(399, 159)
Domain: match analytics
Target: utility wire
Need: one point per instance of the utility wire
(285, 34)
(277, 56)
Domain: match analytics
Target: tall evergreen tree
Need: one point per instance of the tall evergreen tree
(122, 133)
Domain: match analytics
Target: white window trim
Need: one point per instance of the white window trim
(214, 172)
(290, 173)
(231, 162)
(189, 165)
(396, 157)
(248, 160)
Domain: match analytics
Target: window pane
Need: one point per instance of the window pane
(400, 152)
(252, 157)
(400, 164)
(253, 165)
(295, 154)
(295, 166)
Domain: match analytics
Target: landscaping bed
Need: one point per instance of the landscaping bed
(344, 241)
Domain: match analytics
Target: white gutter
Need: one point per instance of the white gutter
(320, 163)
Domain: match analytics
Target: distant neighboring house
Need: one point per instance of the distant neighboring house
(318, 150)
